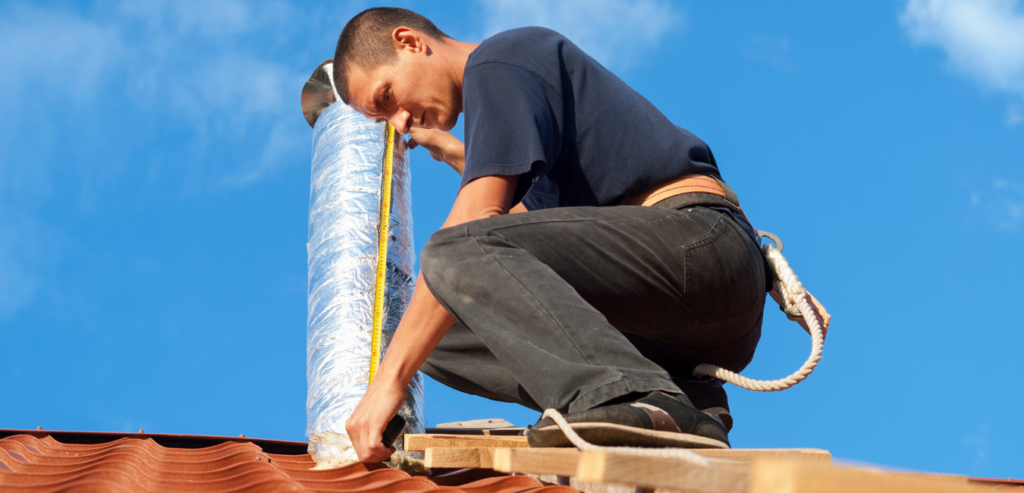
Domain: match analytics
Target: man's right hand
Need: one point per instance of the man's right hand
(443, 146)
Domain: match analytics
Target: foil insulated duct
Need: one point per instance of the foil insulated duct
(344, 216)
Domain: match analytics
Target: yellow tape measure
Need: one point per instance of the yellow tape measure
(382, 252)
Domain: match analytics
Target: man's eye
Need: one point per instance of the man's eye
(387, 94)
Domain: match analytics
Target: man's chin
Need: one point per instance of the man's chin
(446, 125)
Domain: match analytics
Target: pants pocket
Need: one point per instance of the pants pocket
(724, 276)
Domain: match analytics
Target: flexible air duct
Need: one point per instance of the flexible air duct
(346, 192)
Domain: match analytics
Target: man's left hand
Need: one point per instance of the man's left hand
(366, 425)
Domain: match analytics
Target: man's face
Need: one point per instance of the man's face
(414, 91)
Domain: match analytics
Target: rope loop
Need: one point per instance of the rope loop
(795, 303)
(664, 453)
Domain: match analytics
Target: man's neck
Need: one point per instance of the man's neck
(457, 55)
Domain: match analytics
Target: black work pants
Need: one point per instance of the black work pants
(569, 308)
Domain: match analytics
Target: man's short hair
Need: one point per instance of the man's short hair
(366, 41)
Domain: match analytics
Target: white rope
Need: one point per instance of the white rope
(585, 446)
(795, 297)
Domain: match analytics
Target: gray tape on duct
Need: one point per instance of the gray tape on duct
(344, 214)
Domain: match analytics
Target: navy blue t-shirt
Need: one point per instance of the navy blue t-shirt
(538, 107)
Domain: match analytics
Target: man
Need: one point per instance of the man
(610, 284)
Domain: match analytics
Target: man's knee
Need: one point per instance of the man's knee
(444, 255)
(436, 258)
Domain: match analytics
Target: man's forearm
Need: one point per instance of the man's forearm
(425, 321)
(455, 156)
(422, 326)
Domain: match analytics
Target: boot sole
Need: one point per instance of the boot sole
(614, 435)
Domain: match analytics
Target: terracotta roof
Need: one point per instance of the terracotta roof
(43, 461)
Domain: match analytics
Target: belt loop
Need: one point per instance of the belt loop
(730, 195)
(734, 200)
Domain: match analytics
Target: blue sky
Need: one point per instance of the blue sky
(154, 184)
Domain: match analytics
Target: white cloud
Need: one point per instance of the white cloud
(983, 39)
(285, 140)
(86, 93)
(205, 63)
(207, 58)
(615, 32)
(46, 44)
(1002, 205)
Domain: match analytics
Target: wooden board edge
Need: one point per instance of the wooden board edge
(780, 475)
(501, 459)
(749, 455)
(420, 442)
(653, 472)
(558, 461)
(454, 457)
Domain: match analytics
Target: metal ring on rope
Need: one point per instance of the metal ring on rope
(770, 236)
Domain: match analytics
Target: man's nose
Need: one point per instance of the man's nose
(401, 120)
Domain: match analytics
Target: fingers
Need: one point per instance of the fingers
(366, 430)
(442, 145)
(366, 425)
(377, 453)
(431, 138)
(373, 449)
(367, 440)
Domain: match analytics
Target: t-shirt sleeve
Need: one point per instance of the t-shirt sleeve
(511, 124)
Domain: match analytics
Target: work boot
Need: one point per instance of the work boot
(708, 395)
(656, 420)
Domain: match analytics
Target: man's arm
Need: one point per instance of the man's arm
(443, 146)
(422, 326)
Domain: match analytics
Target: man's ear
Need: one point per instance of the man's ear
(407, 39)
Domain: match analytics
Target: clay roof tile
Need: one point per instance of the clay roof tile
(39, 461)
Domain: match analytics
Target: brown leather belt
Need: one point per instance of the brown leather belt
(678, 186)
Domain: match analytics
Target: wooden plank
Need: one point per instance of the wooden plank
(559, 460)
(784, 476)
(478, 424)
(651, 472)
(504, 432)
(475, 431)
(751, 454)
(459, 457)
(420, 443)
(772, 471)
(491, 426)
